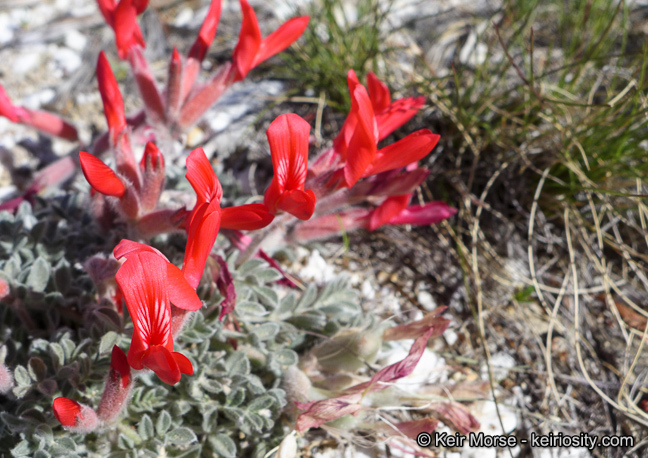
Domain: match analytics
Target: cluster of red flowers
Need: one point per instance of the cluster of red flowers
(158, 294)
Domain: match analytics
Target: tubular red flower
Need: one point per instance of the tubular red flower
(204, 221)
(288, 139)
(148, 282)
(207, 32)
(390, 208)
(248, 217)
(100, 176)
(410, 149)
(110, 95)
(152, 169)
(124, 23)
(396, 114)
(251, 49)
(379, 92)
(394, 210)
(117, 389)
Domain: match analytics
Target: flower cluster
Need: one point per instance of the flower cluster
(353, 184)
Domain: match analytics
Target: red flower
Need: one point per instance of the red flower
(251, 49)
(204, 221)
(364, 128)
(100, 176)
(110, 96)
(207, 32)
(395, 210)
(7, 108)
(248, 217)
(288, 138)
(122, 18)
(149, 284)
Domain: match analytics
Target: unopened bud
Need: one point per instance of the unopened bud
(118, 387)
(152, 168)
(348, 350)
(75, 417)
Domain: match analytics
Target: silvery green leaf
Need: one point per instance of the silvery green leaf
(307, 298)
(260, 403)
(267, 295)
(311, 320)
(21, 449)
(287, 304)
(68, 347)
(145, 428)
(266, 331)
(238, 364)
(255, 385)
(21, 391)
(193, 452)
(250, 266)
(12, 267)
(41, 454)
(124, 442)
(251, 309)
(37, 369)
(268, 275)
(181, 436)
(108, 341)
(63, 447)
(163, 423)
(212, 386)
(236, 397)
(223, 446)
(21, 376)
(285, 357)
(39, 275)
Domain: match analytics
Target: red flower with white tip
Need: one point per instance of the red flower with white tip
(251, 49)
(149, 284)
(288, 138)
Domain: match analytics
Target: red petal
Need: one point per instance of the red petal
(288, 139)
(421, 215)
(202, 232)
(202, 177)
(362, 148)
(110, 95)
(119, 365)
(281, 38)
(248, 217)
(397, 114)
(152, 153)
(183, 363)
(140, 5)
(50, 124)
(7, 108)
(143, 282)
(126, 247)
(390, 208)
(378, 92)
(248, 43)
(298, 203)
(207, 31)
(100, 176)
(402, 153)
(341, 142)
(161, 361)
(127, 31)
(107, 8)
(416, 329)
(66, 411)
(181, 294)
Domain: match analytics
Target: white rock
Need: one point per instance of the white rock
(450, 336)
(500, 364)
(426, 300)
(75, 40)
(36, 100)
(571, 452)
(26, 61)
(184, 17)
(317, 269)
(67, 59)
(368, 290)
(6, 29)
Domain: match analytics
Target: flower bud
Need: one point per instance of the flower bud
(348, 350)
(118, 387)
(75, 417)
(152, 168)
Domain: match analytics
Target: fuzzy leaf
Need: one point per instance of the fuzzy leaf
(266, 331)
(37, 369)
(39, 275)
(22, 449)
(57, 355)
(108, 341)
(286, 357)
(181, 436)
(145, 428)
(163, 423)
(22, 376)
(223, 445)
(238, 364)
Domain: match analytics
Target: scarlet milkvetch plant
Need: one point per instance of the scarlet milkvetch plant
(353, 184)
